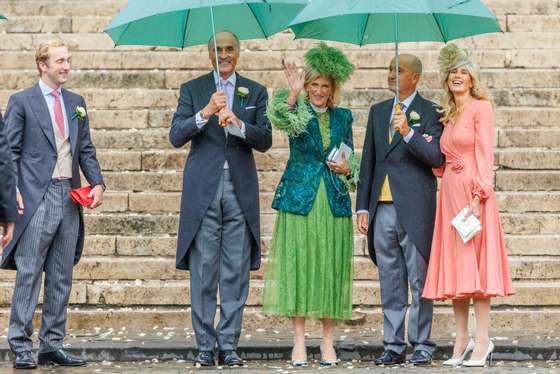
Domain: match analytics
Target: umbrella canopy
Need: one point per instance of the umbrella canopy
(2, 17)
(183, 23)
(381, 21)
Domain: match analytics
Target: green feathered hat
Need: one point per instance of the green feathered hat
(452, 56)
(330, 62)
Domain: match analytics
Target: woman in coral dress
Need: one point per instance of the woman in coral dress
(477, 269)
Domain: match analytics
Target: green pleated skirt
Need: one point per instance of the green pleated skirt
(309, 271)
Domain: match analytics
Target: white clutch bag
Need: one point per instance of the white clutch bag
(337, 152)
(467, 227)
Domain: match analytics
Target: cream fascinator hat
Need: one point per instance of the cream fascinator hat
(452, 56)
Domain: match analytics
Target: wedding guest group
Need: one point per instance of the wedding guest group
(226, 119)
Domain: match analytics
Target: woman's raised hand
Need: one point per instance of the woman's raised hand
(295, 78)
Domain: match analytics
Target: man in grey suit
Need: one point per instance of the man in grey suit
(8, 207)
(223, 118)
(396, 202)
(48, 133)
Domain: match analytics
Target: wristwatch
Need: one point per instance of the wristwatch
(201, 114)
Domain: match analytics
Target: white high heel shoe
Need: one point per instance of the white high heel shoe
(459, 360)
(482, 361)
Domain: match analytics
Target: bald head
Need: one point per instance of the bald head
(410, 62)
(410, 70)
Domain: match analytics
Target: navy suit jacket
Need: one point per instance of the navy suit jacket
(8, 207)
(409, 166)
(209, 149)
(34, 155)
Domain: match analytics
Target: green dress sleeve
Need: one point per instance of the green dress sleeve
(293, 122)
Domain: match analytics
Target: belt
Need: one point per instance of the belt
(59, 180)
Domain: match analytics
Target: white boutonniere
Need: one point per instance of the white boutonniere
(414, 117)
(80, 113)
(243, 93)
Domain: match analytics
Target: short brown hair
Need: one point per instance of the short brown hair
(43, 49)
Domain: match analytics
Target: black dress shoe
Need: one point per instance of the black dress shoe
(204, 358)
(24, 360)
(421, 357)
(390, 358)
(60, 358)
(229, 358)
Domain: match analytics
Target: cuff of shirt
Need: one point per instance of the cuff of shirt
(362, 211)
(200, 122)
(408, 136)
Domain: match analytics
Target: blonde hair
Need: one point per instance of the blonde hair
(311, 75)
(447, 100)
(43, 51)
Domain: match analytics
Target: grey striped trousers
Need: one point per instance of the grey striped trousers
(48, 244)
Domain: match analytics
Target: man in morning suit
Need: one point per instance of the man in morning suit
(223, 118)
(396, 204)
(48, 133)
(8, 207)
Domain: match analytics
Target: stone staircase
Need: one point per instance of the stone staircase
(128, 278)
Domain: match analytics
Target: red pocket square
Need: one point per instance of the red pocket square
(81, 196)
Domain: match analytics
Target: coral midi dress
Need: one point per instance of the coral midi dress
(478, 268)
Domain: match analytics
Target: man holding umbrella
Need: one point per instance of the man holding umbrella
(222, 115)
(396, 204)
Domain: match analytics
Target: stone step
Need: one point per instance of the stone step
(95, 51)
(276, 158)
(366, 77)
(133, 268)
(516, 180)
(20, 56)
(515, 118)
(525, 202)
(165, 246)
(549, 22)
(171, 181)
(110, 7)
(504, 320)
(169, 202)
(62, 24)
(524, 138)
(96, 24)
(61, 7)
(529, 158)
(167, 99)
(177, 293)
(530, 223)
(536, 245)
(100, 42)
(166, 224)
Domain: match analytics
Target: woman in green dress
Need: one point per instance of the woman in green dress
(309, 272)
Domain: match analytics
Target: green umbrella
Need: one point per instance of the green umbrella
(182, 23)
(381, 21)
(2, 17)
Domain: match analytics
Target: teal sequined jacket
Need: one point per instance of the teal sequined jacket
(306, 166)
